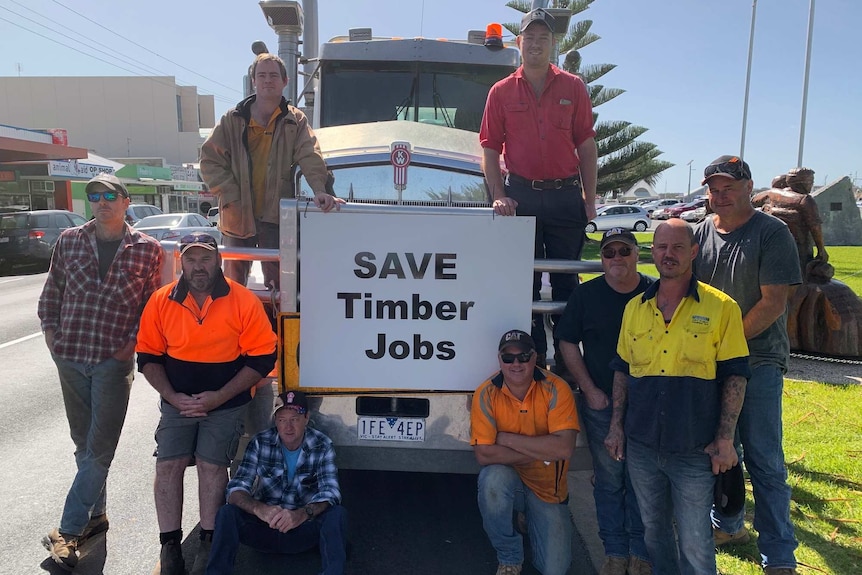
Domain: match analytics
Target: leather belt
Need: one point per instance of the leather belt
(546, 184)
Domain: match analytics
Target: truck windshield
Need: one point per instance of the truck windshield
(425, 186)
(443, 94)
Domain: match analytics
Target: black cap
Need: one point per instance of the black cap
(199, 240)
(293, 399)
(730, 491)
(519, 339)
(728, 167)
(537, 15)
(619, 235)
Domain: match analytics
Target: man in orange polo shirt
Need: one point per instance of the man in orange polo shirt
(523, 430)
(204, 341)
(541, 120)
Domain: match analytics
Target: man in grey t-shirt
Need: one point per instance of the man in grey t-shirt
(751, 256)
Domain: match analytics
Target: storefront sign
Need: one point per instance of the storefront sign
(7, 176)
(76, 169)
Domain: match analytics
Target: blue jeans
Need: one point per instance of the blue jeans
(620, 525)
(501, 493)
(234, 526)
(760, 431)
(674, 488)
(96, 398)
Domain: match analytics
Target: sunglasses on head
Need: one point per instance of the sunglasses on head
(109, 196)
(521, 357)
(611, 253)
(732, 167)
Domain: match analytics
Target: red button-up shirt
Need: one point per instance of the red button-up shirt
(538, 137)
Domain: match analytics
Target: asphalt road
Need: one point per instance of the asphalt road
(403, 523)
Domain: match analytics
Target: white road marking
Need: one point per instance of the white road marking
(20, 340)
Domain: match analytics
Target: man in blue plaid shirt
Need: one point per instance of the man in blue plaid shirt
(284, 497)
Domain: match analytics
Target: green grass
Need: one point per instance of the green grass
(823, 450)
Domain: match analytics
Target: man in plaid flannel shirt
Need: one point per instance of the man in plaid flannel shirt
(284, 498)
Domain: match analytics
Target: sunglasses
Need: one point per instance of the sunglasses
(521, 357)
(733, 167)
(611, 253)
(109, 196)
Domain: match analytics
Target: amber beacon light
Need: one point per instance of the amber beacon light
(494, 36)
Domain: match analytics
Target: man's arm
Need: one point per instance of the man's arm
(596, 398)
(515, 449)
(158, 378)
(721, 450)
(215, 164)
(773, 302)
(615, 442)
(503, 205)
(588, 167)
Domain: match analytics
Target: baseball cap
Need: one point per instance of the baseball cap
(296, 400)
(110, 181)
(537, 15)
(199, 240)
(619, 235)
(727, 166)
(517, 338)
(729, 496)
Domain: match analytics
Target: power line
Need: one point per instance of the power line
(128, 60)
(144, 47)
(114, 64)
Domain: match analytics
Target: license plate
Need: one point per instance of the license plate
(4, 240)
(391, 428)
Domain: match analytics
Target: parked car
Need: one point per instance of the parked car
(662, 213)
(677, 211)
(174, 226)
(27, 238)
(137, 212)
(619, 216)
(653, 205)
(695, 215)
(212, 216)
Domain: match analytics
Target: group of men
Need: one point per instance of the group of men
(674, 375)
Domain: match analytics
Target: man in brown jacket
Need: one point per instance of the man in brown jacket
(247, 163)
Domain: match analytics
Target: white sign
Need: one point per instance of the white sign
(403, 301)
(76, 169)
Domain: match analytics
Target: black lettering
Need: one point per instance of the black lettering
(394, 307)
(442, 264)
(421, 308)
(422, 349)
(392, 266)
(349, 298)
(465, 305)
(381, 347)
(445, 310)
(363, 260)
(418, 273)
(446, 350)
(399, 349)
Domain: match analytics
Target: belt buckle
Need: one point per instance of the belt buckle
(558, 183)
(536, 184)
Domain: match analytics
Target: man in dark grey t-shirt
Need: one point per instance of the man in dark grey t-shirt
(752, 257)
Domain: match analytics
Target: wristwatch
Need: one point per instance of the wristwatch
(309, 510)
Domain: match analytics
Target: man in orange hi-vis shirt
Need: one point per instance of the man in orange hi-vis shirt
(523, 430)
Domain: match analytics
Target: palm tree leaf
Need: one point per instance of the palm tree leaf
(593, 72)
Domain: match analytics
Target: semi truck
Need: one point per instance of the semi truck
(390, 310)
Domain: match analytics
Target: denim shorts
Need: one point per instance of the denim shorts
(213, 438)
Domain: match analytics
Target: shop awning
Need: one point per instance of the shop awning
(16, 150)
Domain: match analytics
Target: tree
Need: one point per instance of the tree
(623, 161)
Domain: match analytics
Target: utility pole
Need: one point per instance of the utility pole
(690, 168)
(805, 83)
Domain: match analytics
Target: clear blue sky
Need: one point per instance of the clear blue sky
(681, 62)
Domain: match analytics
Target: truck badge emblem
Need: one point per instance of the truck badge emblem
(399, 155)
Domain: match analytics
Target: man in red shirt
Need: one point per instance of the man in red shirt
(541, 120)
